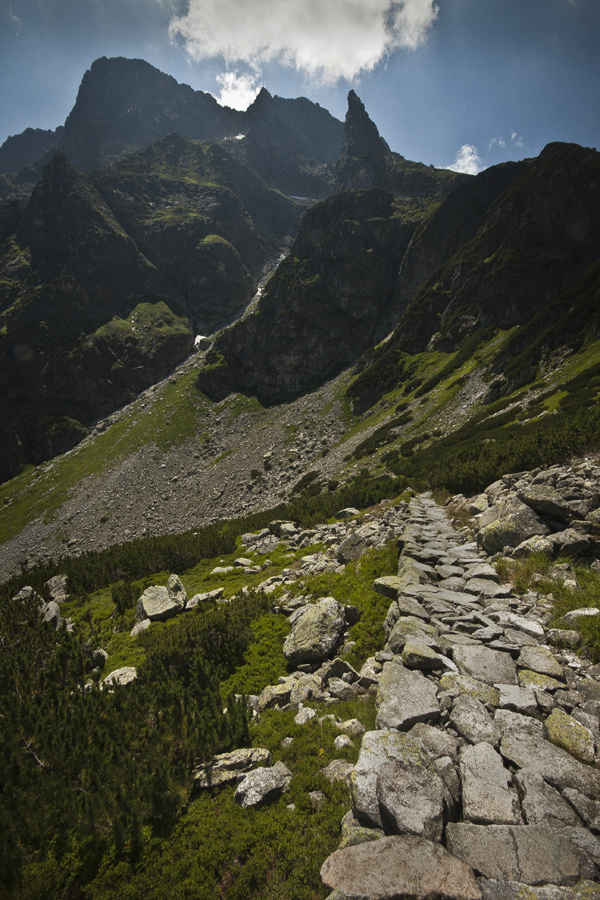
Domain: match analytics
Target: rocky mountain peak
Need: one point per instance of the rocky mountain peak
(366, 161)
(362, 139)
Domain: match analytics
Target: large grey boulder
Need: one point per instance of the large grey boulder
(413, 799)
(515, 522)
(125, 675)
(405, 866)
(484, 664)
(204, 598)
(317, 634)
(157, 605)
(405, 697)
(50, 613)
(262, 785)
(554, 764)
(545, 499)
(140, 627)
(57, 587)
(27, 593)
(530, 854)
(276, 695)
(472, 721)
(226, 767)
(377, 749)
(176, 590)
(542, 804)
(570, 542)
(487, 797)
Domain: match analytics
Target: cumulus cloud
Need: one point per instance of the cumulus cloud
(497, 140)
(237, 91)
(327, 41)
(467, 161)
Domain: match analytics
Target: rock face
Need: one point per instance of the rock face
(333, 297)
(392, 867)
(489, 228)
(327, 302)
(316, 634)
(143, 258)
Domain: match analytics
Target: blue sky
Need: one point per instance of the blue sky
(450, 82)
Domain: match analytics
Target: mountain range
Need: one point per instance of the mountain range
(259, 376)
(307, 249)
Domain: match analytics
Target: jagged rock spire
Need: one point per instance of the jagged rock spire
(364, 152)
(361, 135)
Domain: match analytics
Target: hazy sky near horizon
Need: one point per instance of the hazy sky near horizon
(461, 83)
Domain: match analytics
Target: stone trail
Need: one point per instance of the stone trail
(484, 761)
(482, 777)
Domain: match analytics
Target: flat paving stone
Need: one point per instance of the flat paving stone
(530, 854)
(406, 866)
(470, 686)
(542, 804)
(540, 659)
(483, 664)
(472, 721)
(412, 799)
(377, 749)
(405, 697)
(554, 764)
(519, 699)
(486, 795)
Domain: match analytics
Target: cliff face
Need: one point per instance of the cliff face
(326, 303)
(124, 105)
(292, 144)
(515, 237)
(515, 247)
(107, 278)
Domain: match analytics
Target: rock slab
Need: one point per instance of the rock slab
(407, 867)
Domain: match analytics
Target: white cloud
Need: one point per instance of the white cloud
(237, 91)
(516, 139)
(467, 161)
(327, 41)
(18, 22)
(497, 140)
